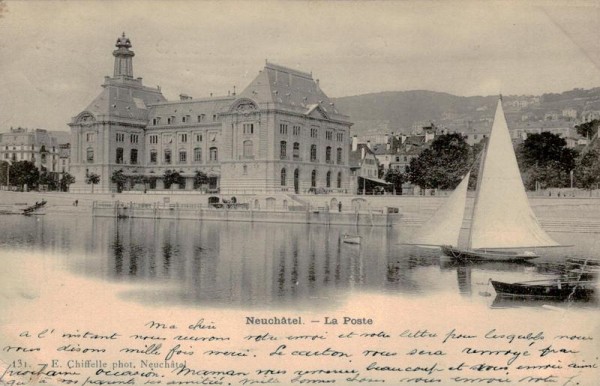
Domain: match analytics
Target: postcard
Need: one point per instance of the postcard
(257, 193)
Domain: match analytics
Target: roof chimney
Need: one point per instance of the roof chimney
(354, 143)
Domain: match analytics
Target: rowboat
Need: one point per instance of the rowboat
(351, 239)
(546, 289)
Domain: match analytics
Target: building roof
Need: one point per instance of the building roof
(123, 98)
(291, 90)
(355, 158)
(193, 107)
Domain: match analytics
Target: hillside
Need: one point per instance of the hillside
(399, 111)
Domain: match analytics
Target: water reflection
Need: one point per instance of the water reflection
(263, 265)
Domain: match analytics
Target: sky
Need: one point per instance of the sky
(54, 54)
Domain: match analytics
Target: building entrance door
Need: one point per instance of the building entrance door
(296, 181)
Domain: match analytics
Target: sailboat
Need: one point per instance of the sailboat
(503, 225)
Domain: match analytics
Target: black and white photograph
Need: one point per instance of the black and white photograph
(303, 192)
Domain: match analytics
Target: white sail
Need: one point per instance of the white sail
(502, 217)
(443, 227)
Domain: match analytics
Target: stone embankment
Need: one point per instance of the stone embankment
(556, 214)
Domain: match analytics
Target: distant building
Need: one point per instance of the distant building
(569, 113)
(364, 167)
(36, 145)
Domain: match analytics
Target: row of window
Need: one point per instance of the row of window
(23, 156)
(167, 156)
(314, 132)
(313, 152)
(184, 119)
(168, 138)
(42, 148)
(313, 178)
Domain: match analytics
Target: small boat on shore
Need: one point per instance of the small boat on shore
(351, 239)
(33, 209)
(557, 289)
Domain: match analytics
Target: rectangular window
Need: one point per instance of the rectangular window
(340, 137)
(248, 128)
(89, 137)
(296, 130)
(215, 117)
(133, 138)
(167, 156)
(314, 132)
(119, 155)
(156, 121)
(182, 157)
(154, 139)
(120, 137)
(153, 156)
(283, 128)
(328, 135)
(183, 138)
(198, 137)
(133, 156)
(201, 118)
(197, 155)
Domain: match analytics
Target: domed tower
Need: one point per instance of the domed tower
(123, 57)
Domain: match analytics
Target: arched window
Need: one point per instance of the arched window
(283, 177)
(119, 157)
(339, 180)
(248, 149)
(214, 155)
(133, 157)
(328, 154)
(197, 154)
(339, 155)
(328, 180)
(296, 151)
(90, 155)
(313, 153)
(313, 179)
(283, 150)
(167, 156)
(182, 156)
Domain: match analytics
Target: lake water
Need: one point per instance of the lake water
(267, 266)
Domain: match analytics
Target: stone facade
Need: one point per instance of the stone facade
(281, 134)
(37, 146)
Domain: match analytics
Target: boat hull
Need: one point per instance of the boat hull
(466, 255)
(562, 291)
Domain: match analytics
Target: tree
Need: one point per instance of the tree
(587, 171)
(200, 179)
(544, 159)
(443, 165)
(92, 179)
(172, 177)
(66, 180)
(3, 172)
(396, 178)
(588, 129)
(49, 179)
(24, 173)
(119, 178)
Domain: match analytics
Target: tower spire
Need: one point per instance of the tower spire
(123, 57)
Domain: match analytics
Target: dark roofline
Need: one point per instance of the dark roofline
(277, 67)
